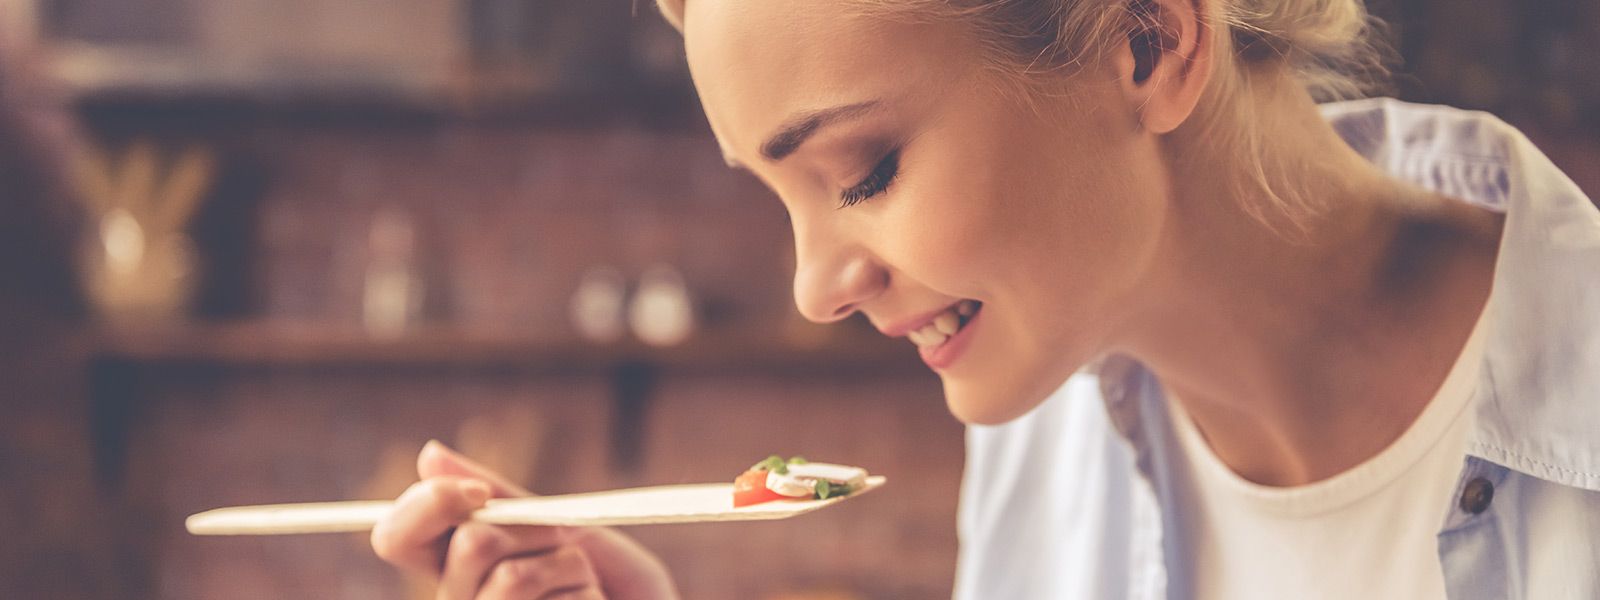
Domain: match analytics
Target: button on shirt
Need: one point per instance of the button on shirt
(1081, 497)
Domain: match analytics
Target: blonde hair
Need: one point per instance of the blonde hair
(1330, 47)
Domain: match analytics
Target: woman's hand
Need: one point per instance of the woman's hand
(428, 534)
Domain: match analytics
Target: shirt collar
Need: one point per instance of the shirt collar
(1538, 399)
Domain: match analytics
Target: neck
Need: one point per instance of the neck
(1300, 355)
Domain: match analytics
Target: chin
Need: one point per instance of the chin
(999, 397)
(991, 403)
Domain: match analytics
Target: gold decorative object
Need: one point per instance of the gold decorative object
(138, 264)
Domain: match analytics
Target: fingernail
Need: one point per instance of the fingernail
(476, 492)
(437, 448)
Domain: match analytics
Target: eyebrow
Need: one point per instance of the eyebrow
(800, 127)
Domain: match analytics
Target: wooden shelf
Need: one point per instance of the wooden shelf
(124, 356)
(271, 343)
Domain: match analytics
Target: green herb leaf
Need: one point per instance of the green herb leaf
(823, 489)
(773, 463)
(798, 460)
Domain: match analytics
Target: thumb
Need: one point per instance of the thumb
(438, 460)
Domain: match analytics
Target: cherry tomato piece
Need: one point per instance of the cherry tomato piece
(751, 488)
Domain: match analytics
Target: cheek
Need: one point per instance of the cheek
(1055, 245)
(938, 228)
(1073, 263)
(1018, 218)
(1061, 235)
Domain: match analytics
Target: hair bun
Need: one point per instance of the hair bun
(1330, 44)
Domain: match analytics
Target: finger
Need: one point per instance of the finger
(583, 593)
(438, 460)
(411, 535)
(535, 576)
(628, 569)
(475, 548)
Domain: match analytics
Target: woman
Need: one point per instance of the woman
(1298, 382)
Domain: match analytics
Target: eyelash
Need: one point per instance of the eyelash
(875, 183)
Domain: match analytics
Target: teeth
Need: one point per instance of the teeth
(943, 326)
(931, 337)
(917, 338)
(927, 336)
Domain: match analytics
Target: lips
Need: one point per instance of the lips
(939, 334)
(942, 353)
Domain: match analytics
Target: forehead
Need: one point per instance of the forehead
(756, 62)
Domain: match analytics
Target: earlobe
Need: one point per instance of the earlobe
(1166, 63)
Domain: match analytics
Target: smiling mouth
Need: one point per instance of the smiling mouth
(945, 325)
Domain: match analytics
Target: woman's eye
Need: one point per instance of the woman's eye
(875, 183)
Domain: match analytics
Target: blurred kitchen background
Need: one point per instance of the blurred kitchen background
(258, 251)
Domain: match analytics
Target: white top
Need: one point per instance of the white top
(1368, 532)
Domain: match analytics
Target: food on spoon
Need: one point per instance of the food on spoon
(795, 479)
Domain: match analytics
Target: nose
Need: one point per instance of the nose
(833, 280)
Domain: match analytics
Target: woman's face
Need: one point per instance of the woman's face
(916, 183)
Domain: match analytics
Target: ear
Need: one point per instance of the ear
(1167, 61)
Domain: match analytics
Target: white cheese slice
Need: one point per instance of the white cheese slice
(801, 480)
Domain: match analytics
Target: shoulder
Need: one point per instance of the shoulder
(1468, 154)
(1384, 129)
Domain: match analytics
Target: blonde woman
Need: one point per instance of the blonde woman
(1213, 340)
